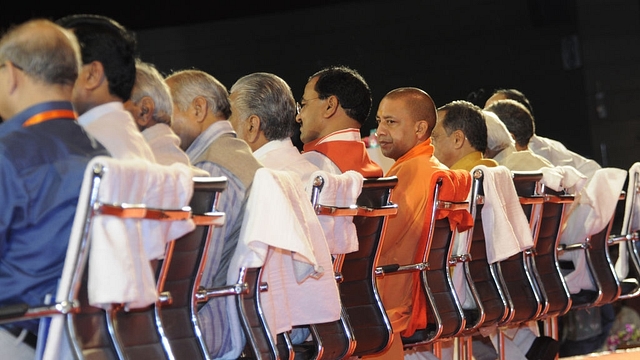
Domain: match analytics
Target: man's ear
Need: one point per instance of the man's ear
(332, 106)
(11, 79)
(200, 108)
(422, 129)
(93, 75)
(458, 139)
(145, 112)
(253, 128)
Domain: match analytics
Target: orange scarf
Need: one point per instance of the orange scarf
(347, 155)
(456, 185)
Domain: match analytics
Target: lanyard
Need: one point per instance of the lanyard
(50, 115)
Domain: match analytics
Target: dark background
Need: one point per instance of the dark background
(146, 14)
(572, 58)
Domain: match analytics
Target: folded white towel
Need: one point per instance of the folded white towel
(339, 190)
(506, 228)
(591, 211)
(631, 221)
(278, 214)
(563, 177)
(121, 249)
(104, 272)
(282, 233)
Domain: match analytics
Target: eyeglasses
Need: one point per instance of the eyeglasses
(299, 106)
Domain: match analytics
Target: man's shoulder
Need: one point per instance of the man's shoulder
(422, 164)
(232, 154)
(321, 161)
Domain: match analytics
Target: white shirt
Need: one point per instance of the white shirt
(559, 155)
(283, 155)
(524, 160)
(116, 130)
(165, 145)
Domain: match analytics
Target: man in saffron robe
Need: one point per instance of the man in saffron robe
(335, 104)
(405, 119)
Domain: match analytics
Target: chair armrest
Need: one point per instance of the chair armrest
(355, 210)
(572, 247)
(214, 218)
(351, 210)
(386, 210)
(203, 295)
(614, 239)
(453, 260)
(19, 312)
(531, 200)
(559, 199)
(452, 205)
(392, 269)
(137, 211)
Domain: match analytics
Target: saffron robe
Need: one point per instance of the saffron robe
(406, 235)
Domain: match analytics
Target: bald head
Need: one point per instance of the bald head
(405, 119)
(40, 62)
(418, 104)
(43, 51)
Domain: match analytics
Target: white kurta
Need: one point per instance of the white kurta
(165, 145)
(116, 130)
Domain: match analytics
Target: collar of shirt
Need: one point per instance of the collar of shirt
(93, 114)
(342, 135)
(272, 145)
(18, 120)
(202, 142)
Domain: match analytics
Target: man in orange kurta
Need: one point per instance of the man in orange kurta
(405, 119)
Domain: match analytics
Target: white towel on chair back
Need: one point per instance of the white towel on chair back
(339, 190)
(281, 233)
(628, 223)
(589, 214)
(506, 228)
(121, 249)
(102, 271)
(563, 177)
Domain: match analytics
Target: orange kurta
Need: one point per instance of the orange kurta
(405, 237)
(347, 155)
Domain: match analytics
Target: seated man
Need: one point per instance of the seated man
(501, 145)
(263, 114)
(43, 156)
(460, 136)
(105, 82)
(200, 112)
(405, 119)
(335, 104)
(550, 149)
(151, 107)
(518, 341)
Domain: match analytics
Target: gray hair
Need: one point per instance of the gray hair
(498, 136)
(270, 98)
(150, 83)
(189, 84)
(44, 51)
